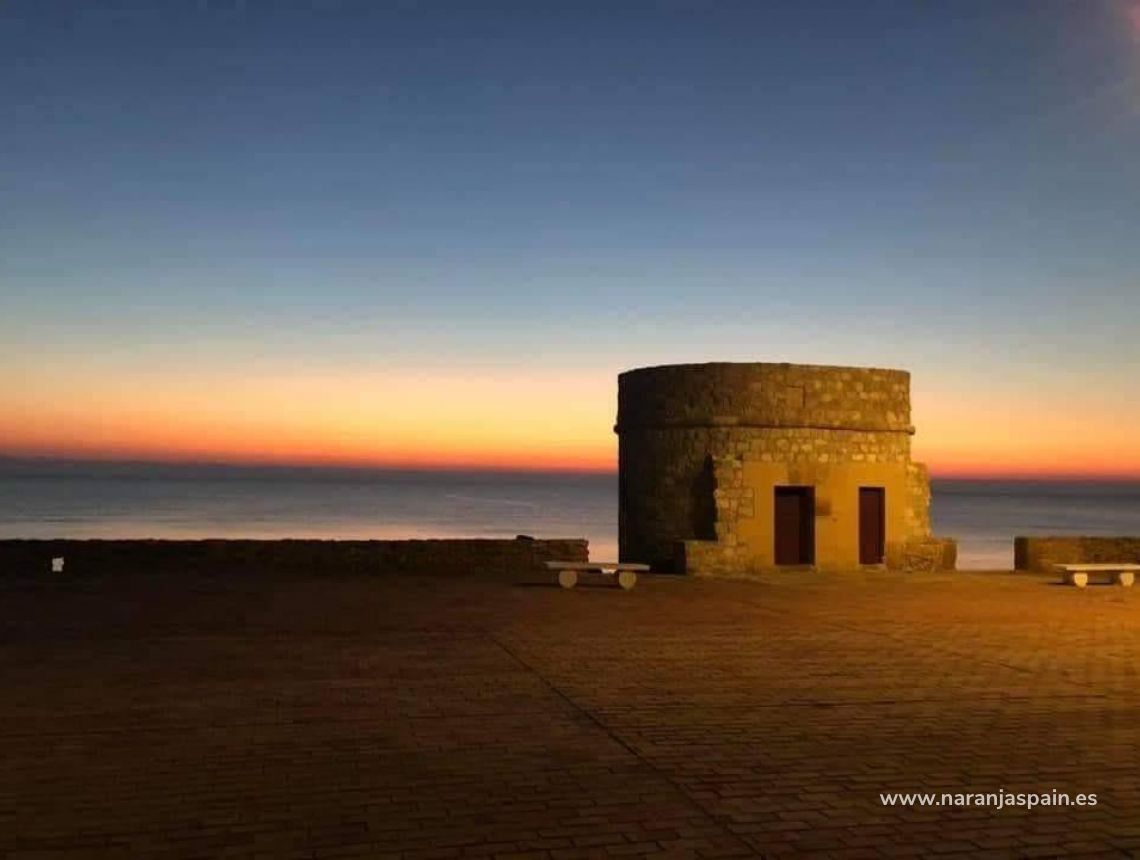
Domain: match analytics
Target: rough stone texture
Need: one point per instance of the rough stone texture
(713, 558)
(686, 431)
(1041, 553)
(456, 557)
(923, 554)
(918, 499)
(765, 395)
(448, 717)
(730, 559)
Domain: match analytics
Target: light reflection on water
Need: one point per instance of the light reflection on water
(188, 502)
(326, 506)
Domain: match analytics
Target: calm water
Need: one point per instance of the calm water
(189, 502)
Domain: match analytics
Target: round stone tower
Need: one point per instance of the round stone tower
(729, 468)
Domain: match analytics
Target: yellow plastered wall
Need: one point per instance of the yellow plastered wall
(836, 507)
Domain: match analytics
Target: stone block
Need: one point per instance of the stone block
(923, 554)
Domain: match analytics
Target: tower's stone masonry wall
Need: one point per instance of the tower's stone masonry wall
(765, 395)
(698, 442)
(660, 474)
(918, 499)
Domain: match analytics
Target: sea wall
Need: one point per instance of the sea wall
(459, 557)
(1039, 554)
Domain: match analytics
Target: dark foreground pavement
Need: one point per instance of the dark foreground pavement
(353, 717)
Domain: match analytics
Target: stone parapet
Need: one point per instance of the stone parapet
(461, 557)
(1039, 554)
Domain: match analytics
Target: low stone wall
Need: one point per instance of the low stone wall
(1039, 554)
(464, 557)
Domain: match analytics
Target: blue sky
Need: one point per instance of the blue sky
(196, 191)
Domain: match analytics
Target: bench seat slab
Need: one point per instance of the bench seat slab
(599, 566)
(1120, 575)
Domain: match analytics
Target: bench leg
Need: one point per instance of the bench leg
(1080, 580)
(627, 579)
(567, 578)
(1125, 578)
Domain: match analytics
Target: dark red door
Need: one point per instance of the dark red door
(872, 524)
(795, 525)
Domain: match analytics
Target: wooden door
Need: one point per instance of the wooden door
(872, 525)
(795, 525)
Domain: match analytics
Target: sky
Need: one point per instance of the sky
(431, 234)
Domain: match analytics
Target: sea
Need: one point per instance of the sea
(103, 500)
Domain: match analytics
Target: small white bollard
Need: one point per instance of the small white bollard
(1126, 578)
(57, 565)
(1080, 580)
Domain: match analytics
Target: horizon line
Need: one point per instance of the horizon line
(492, 468)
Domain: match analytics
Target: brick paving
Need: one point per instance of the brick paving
(440, 718)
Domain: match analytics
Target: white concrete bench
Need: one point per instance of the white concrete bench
(1123, 573)
(624, 573)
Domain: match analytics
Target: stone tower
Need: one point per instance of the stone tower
(733, 468)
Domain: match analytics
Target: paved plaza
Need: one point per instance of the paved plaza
(438, 718)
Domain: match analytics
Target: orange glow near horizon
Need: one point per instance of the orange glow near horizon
(476, 460)
(379, 421)
(1023, 433)
(315, 455)
(507, 422)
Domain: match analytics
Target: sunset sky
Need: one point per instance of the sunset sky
(432, 234)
